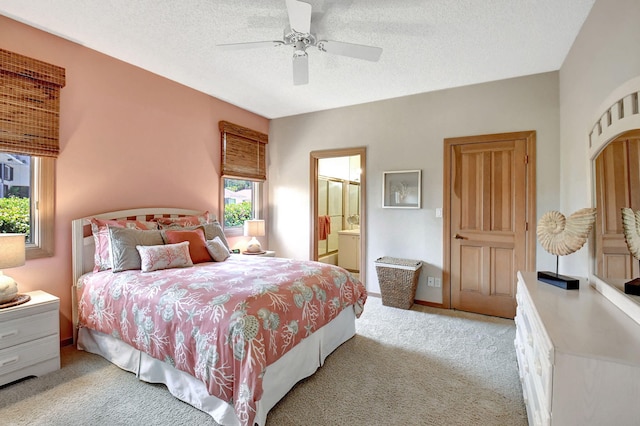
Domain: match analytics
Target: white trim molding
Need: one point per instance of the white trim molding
(619, 113)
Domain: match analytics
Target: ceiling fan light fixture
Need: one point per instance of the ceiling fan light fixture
(295, 37)
(299, 49)
(298, 35)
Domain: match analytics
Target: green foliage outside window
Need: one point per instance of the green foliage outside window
(14, 215)
(236, 214)
(236, 185)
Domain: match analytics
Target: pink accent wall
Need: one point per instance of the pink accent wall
(128, 138)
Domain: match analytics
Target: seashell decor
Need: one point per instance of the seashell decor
(560, 235)
(8, 290)
(631, 230)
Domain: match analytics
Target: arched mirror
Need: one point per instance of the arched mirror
(617, 185)
(614, 146)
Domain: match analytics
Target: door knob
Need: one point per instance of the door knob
(460, 237)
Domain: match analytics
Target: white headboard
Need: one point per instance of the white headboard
(83, 246)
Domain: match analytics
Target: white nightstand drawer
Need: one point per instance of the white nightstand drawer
(30, 338)
(27, 354)
(32, 327)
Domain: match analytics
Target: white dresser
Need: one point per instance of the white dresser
(30, 338)
(578, 356)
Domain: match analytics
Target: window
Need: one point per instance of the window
(15, 193)
(241, 202)
(29, 128)
(26, 200)
(7, 172)
(243, 171)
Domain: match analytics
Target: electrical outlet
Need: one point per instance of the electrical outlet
(430, 281)
(437, 283)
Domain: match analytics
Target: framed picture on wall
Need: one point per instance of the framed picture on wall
(401, 189)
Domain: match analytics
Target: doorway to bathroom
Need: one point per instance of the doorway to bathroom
(338, 216)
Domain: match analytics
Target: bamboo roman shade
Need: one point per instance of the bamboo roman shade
(243, 152)
(29, 105)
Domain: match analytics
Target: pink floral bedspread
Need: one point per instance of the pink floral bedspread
(223, 323)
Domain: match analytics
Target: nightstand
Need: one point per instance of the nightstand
(30, 338)
(267, 253)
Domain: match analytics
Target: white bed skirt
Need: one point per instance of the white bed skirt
(300, 362)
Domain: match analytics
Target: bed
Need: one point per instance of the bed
(229, 337)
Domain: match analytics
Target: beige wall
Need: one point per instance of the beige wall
(603, 57)
(407, 133)
(128, 138)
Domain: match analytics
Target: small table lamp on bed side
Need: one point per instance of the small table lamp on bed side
(254, 228)
(12, 254)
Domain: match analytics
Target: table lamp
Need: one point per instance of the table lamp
(12, 254)
(254, 228)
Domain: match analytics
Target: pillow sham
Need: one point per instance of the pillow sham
(218, 251)
(181, 222)
(102, 256)
(153, 258)
(195, 237)
(123, 242)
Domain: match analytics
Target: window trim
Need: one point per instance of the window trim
(42, 208)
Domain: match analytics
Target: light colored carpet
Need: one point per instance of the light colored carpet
(422, 366)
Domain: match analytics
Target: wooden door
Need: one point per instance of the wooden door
(617, 186)
(491, 197)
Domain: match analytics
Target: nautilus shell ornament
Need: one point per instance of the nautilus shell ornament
(631, 230)
(560, 235)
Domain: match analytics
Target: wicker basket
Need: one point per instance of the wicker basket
(398, 279)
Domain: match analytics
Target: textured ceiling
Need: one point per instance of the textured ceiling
(427, 44)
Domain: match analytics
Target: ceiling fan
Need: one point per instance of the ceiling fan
(299, 36)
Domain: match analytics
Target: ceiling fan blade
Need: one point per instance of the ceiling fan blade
(299, 16)
(359, 51)
(250, 45)
(300, 69)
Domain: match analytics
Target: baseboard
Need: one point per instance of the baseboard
(417, 302)
(429, 304)
(66, 342)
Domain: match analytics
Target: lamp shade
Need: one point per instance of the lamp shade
(254, 228)
(12, 250)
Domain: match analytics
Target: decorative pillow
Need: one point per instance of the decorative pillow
(181, 222)
(195, 237)
(164, 256)
(218, 250)
(211, 230)
(123, 242)
(102, 256)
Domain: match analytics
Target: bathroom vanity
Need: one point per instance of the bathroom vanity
(349, 249)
